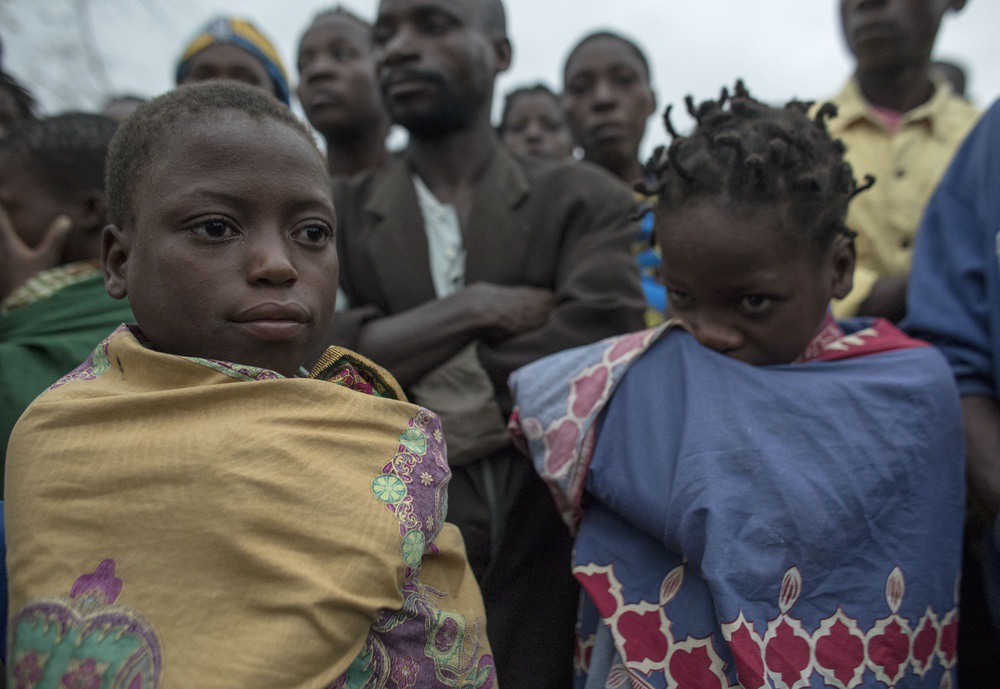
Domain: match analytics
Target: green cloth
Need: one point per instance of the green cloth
(42, 341)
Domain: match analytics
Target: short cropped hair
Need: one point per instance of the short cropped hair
(65, 152)
(511, 98)
(155, 123)
(610, 36)
(747, 153)
(340, 12)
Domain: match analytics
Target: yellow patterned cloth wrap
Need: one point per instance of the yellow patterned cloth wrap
(176, 522)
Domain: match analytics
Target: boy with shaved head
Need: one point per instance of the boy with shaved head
(463, 263)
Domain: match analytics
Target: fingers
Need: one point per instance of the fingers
(55, 238)
(9, 238)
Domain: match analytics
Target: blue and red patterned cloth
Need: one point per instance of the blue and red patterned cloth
(787, 526)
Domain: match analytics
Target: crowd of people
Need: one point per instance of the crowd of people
(509, 406)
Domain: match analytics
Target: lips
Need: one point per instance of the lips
(272, 321)
(405, 82)
(319, 98)
(873, 30)
(608, 130)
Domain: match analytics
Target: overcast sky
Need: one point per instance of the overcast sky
(781, 48)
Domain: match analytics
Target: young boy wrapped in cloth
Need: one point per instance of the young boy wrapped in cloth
(183, 510)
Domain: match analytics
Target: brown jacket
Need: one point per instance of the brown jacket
(564, 226)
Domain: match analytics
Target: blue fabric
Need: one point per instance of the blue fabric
(648, 260)
(728, 506)
(953, 300)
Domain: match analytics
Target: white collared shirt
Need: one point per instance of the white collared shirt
(444, 241)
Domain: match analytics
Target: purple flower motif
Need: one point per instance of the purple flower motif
(446, 634)
(101, 584)
(83, 676)
(405, 673)
(28, 672)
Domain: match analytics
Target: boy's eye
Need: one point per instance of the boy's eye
(214, 229)
(755, 304)
(342, 53)
(313, 235)
(436, 23)
(625, 78)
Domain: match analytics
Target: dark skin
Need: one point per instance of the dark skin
(981, 417)
(607, 100)
(452, 45)
(41, 228)
(338, 92)
(892, 41)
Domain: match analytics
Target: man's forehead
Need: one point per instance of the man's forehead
(466, 9)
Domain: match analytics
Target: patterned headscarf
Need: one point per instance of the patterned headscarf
(242, 33)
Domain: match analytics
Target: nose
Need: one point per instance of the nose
(400, 48)
(319, 68)
(604, 95)
(269, 261)
(714, 333)
(534, 132)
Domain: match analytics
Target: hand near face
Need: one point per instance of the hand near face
(19, 262)
(509, 311)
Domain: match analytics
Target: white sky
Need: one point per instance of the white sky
(781, 48)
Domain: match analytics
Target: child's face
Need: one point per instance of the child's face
(232, 253)
(607, 101)
(535, 127)
(749, 286)
(31, 204)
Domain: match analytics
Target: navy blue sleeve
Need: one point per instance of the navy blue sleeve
(953, 300)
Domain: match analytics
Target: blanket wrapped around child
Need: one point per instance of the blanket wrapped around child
(786, 526)
(176, 522)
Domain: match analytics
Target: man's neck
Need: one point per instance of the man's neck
(450, 165)
(350, 155)
(901, 89)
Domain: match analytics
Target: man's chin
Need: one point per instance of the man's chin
(428, 124)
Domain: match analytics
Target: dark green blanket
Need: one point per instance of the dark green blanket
(41, 342)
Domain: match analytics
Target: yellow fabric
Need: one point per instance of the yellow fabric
(907, 165)
(241, 518)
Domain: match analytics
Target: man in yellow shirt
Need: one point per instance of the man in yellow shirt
(901, 122)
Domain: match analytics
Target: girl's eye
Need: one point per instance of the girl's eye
(755, 304)
(678, 298)
(214, 229)
(313, 235)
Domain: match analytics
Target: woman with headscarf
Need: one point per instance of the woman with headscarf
(232, 48)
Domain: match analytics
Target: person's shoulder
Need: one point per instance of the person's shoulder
(573, 177)
(351, 370)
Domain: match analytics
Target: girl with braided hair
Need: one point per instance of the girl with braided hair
(761, 496)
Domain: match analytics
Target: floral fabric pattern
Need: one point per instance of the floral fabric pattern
(420, 644)
(84, 641)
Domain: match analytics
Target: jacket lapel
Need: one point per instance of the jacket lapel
(396, 243)
(496, 238)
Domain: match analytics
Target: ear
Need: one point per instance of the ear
(116, 245)
(841, 258)
(956, 5)
(504, 53)
(653, 105)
